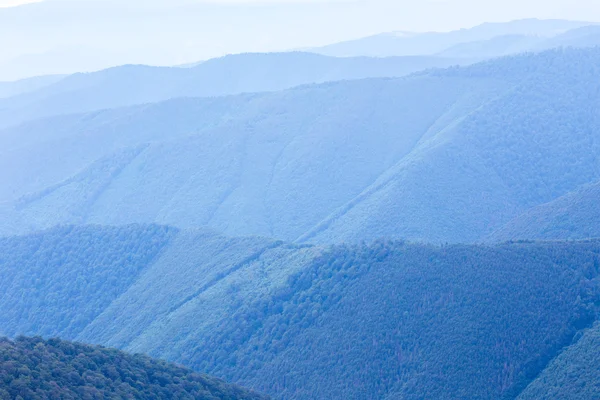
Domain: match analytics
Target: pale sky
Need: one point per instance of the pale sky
(436, 15)
(12, 3)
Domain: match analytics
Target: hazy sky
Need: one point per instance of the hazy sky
(416, 14)
(183, 31)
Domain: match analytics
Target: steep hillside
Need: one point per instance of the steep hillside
(574, 374)
(527, 147)
(385, 320)
(414, 322)
(138, 84)
(31, 368)
(57, 282)
(271, 164)
(573, 216)
(73, 276)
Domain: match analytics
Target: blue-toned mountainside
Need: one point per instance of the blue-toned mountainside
(10, 89)
(446, 156)
(138, 84)
(495, 47)
(587, 36)
(31, 368)
(383, 320)
(574, 374)
(271, 164)
(501, 159)
(573, 216)
(429, 43)
(582, 37)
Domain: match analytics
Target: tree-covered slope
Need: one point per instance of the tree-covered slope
(244, 73)
(573, 375)
(527, 147)
(57, 282)
(272, 164)
(384, 320)
(196, 285)
(31, 368)
(404, 321)
(573, 216)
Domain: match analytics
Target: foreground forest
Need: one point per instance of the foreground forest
(386, 319)
(32, 369)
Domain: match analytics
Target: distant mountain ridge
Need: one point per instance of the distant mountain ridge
(244, 73)
(257, 72)
(429, 43)
(10, 89)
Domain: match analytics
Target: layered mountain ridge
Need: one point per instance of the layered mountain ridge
(445, 156)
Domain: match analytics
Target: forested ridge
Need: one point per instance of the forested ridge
(57, 282)
(412, 321)
(33, 368)
(387, 318)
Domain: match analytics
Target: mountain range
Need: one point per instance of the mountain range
(419, 226)
(445, 156)
(234, 74)
(11, 89)
(428, 49)
(527, 33)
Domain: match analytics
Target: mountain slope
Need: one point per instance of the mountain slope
(573, 216)
(525, 148)
(89, 266)
(574, 374)
(401, 44)
(587, 36)
(384, 320)
(446, 156)
(395, 321)
(144, 269)
(138, 84)
(495, 47)
(10, 89)
(270, 164)
(31, 368)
